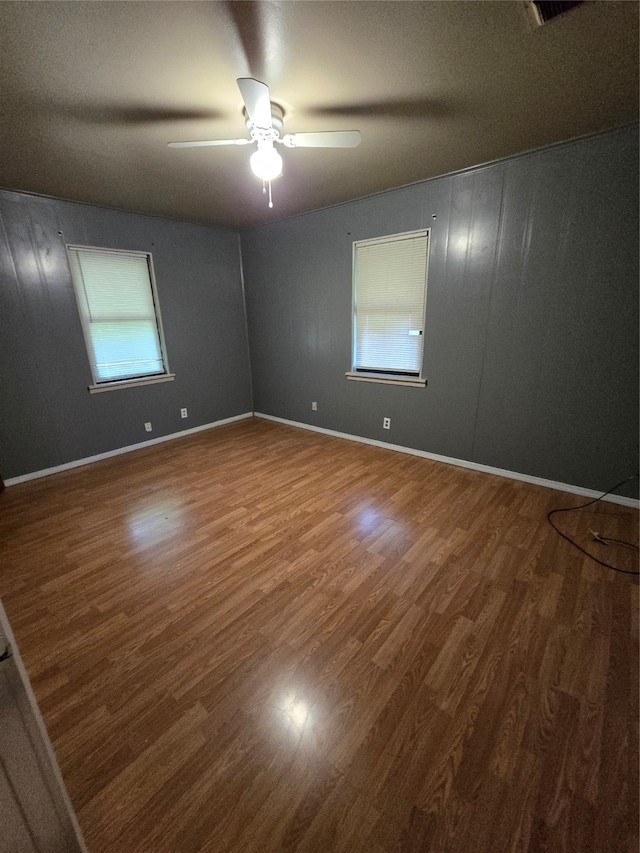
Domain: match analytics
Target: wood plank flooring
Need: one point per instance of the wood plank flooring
(259, 638)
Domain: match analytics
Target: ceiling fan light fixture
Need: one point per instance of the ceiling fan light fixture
(264, 120)
(266, 163)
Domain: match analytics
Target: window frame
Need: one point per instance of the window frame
(100, 385)
(396, 377)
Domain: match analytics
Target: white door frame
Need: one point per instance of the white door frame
(37, 814)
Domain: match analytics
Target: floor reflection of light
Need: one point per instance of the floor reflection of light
(368, 519)
(156, 520)
(296, 710)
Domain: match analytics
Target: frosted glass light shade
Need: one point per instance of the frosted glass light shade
(266, 163)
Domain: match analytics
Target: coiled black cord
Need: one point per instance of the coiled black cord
(597, 537)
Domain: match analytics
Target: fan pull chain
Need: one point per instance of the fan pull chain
(270, 199)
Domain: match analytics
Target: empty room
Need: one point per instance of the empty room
(319, 427)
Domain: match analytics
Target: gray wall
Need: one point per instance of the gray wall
(47, 416)
(531, 338)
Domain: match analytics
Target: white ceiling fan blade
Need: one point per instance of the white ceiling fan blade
(257, 101)
(209, 142)
(323, 139)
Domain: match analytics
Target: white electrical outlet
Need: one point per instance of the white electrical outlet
(183, 413)
(314, 407)
(147, 426)
(386, 423)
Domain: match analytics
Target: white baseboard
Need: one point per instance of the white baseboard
(12, 481)
(462, 463)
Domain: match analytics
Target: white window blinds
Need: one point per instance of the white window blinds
(389, 303)
(118, 313)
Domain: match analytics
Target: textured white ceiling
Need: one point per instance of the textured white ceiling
(92, 92)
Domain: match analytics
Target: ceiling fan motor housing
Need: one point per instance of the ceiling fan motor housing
(266, 134)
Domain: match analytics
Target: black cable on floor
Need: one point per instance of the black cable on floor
(597, 537)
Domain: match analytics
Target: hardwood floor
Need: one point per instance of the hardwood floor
(259, 638)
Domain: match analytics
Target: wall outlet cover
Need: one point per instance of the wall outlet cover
(314, 407)
(386, 423)
(183, 413)
(147, 426)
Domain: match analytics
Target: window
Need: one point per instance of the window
(389, 296)
(120, 317)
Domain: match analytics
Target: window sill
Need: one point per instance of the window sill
(412, 381)
(130, 383)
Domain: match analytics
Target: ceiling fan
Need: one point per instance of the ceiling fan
(264, 120)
